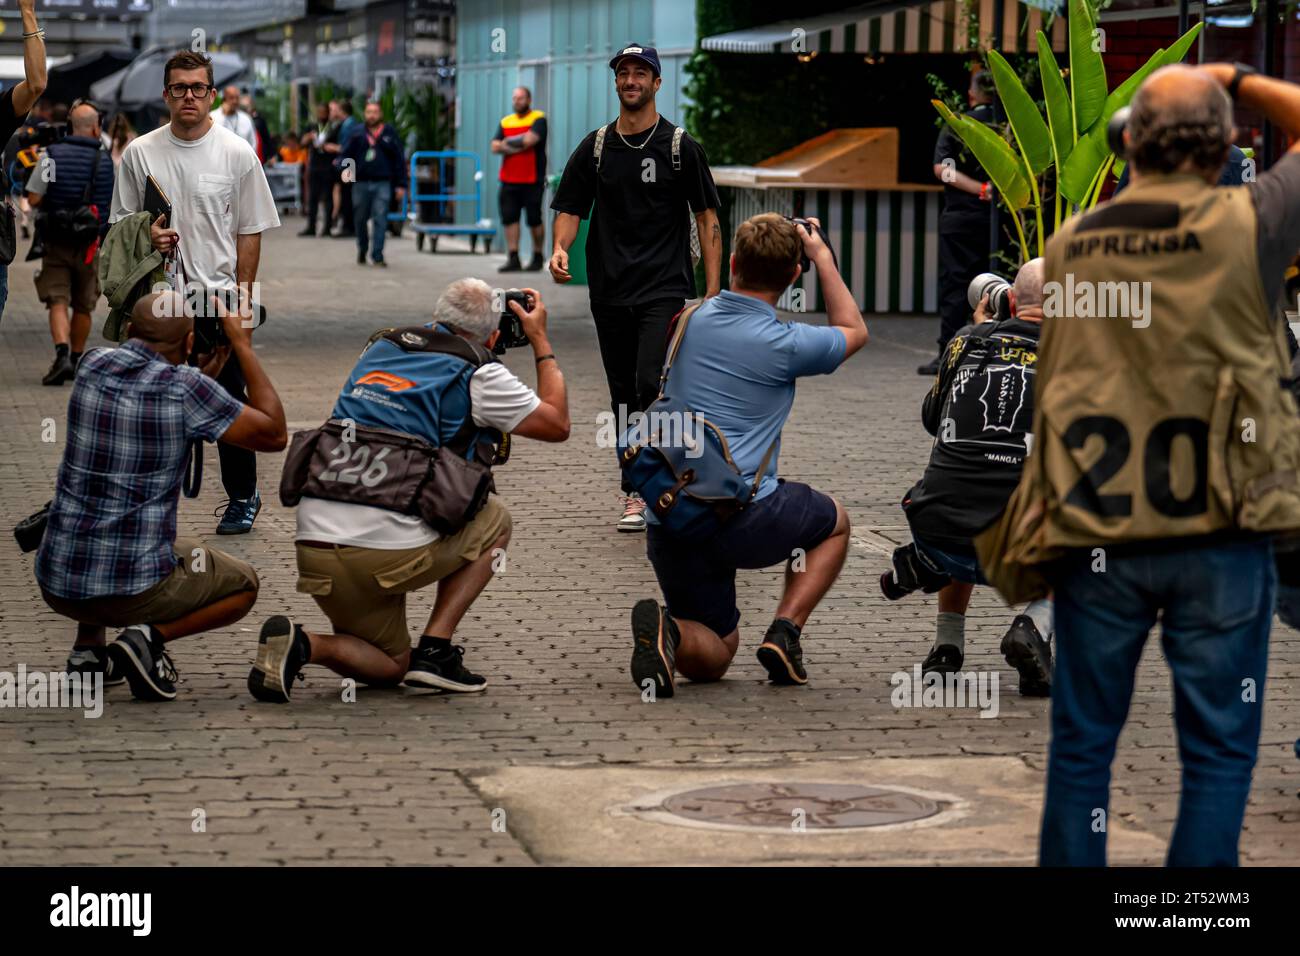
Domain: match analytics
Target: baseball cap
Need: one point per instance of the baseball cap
(646, 54)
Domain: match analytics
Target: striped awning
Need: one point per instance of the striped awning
(931, 26)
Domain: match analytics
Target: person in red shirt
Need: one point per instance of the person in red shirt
(521, 141)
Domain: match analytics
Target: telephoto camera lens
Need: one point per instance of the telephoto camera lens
(997, 289)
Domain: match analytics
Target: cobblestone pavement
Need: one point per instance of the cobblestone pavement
(395, 779)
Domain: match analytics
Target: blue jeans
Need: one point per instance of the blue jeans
(370, 205)
(1215, 603)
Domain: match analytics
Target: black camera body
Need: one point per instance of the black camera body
(208, 331)
(804, 262)
(511, 328)
(42, 134)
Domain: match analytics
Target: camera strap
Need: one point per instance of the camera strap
(193, 477)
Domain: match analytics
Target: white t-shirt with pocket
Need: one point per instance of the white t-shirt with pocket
(497, 399)
(217, 189)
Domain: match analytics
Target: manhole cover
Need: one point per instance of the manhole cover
(810, 806)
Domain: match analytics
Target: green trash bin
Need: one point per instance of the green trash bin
(577, 251)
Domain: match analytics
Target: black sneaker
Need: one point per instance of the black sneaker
(309, 231)
(361, 258)
(282, 650)
(654, 647)
(93, 660)
(535, 264)
(434, 670)
(147, 666)
(512, 264)
(930, 368)
(943, 659)
(61, 371)
(1031, 656)
(782, 655)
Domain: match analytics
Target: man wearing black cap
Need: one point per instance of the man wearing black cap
(642, 174)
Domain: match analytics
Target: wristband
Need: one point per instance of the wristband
(986, 190)
(1239, 72)
(549, 355)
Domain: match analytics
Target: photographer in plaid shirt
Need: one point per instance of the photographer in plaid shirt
(110, 556)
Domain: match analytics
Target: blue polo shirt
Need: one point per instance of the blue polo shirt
(737, 367)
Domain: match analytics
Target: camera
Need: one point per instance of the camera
(41, 135)
(997, 289)
(511, 328)
(804, 262)
(208, 331)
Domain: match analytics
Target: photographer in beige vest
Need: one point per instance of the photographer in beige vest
(1165, 458)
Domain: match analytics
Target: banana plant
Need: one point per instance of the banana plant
(1071, 140)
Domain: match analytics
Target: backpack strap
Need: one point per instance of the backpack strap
(677, 149)
(762, 467)
(88, 194)
(676, 344)
(598, 147)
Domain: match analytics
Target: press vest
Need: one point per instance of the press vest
(1160, 404)
(521, 167)
(425, 394)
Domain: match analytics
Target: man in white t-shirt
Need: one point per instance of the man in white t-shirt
(221, 204)
(360, 561)
(238, 121)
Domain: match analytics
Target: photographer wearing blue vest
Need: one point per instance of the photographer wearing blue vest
(393, 493)
(731, 372)
(72, 190)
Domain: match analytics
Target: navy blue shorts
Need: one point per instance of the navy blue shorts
(959, 567)
(698, 579)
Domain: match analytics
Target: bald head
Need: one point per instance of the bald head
(1028, 289)
(1180, 120)
(161, 321)
(230, 99)
(83, 120)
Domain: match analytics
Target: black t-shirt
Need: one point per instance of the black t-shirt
(639, 245)
(958, 202)
(980, 410)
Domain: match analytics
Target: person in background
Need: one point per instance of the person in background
(16, 101)
(964, 222)
(343, 206)
(291, 148)
(119, 135)
(322, 142)
(521, 142)
(380, 175)
(69, 272)
(235, 119)
(265, 152)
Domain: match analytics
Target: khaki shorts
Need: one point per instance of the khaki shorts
(66, 278)
(363, 590)
(186, 589)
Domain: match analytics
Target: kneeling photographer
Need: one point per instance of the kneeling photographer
(979, 411)
(110, 556)
(715, 502)
(393, 493)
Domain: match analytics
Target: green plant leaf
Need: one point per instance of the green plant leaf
(1004, 167)
(1087, 71)
(1026, 122)
(1057, 101)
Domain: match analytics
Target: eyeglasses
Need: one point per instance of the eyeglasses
(177, 90)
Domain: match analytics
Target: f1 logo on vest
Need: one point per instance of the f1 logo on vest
(388, 381)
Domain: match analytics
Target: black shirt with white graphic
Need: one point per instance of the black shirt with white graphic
(980, 410)
(639, 245)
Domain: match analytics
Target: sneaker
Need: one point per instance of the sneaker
(240, 514)
(309, 231)
(282, 650)
(434, 670)
(1031, 656)
(943, 659)
(381, 264)
(361, 258)
(93, 660)
(782, 655)
(148, 668)
(61, 371)
(535, 264)
(512, 264)
(633, 514)
(654, 647)
(930, 368)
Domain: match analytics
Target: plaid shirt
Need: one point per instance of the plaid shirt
(131, 418)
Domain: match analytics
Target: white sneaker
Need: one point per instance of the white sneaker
(633, 514)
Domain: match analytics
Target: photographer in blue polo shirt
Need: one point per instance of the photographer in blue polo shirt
(737, 367)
